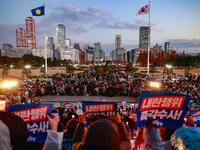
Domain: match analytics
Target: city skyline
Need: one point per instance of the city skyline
(89, 22)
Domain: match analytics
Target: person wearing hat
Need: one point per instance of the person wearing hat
(13, 131)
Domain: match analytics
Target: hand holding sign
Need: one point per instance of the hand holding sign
(117, 118)
(81, 118)
(53, 121)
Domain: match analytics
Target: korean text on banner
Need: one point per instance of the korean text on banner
(35, 117)
(165, 109)
(196, 117)
(68, 106)
(63, 103)
(96, 108)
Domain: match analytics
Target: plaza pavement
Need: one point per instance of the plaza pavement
(74, 99)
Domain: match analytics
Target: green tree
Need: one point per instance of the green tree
(70, 69)
(187, 70)
(168, 70)
(43, 70)
(5, 72)
(129, 68)
(26, 72)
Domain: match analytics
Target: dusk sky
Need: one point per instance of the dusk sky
(92, 21)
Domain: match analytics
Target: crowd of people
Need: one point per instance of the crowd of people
(92, 84)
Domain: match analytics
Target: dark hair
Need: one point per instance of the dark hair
(71, 126)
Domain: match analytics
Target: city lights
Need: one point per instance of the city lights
(8, 84)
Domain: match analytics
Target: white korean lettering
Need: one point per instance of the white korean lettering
(43, 126)
(144, 115)
(32, 128)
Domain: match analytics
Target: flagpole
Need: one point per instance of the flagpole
(45, 41)
(148, 42)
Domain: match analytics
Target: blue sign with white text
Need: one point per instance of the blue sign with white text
(35, 117)
(165, 109)
(196, 117)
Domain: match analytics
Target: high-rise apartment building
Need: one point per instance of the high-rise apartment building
(30, 33)
(97, 48)
(20, 38)
(68, 42)
(60, 37)
(49, 43)
(167, 46)
(117, 41)
(77, 46)
(144, 36)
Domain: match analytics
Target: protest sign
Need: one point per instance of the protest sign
(165, 109)
(133, 116)
(136, 105)
(63, 103)
(37, 99)
(196, 117)
(68, 106)
(96, 108)
(35, 117)
(124, 105)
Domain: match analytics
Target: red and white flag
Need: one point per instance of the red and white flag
(144, 10)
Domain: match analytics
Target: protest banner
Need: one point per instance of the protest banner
(63, 103)
(196, 117)
(96, 108)
(35, 117)
(165, 109)
(37, 99)
(123, 103)
(68, 106)
(136, 105)
(133, 116)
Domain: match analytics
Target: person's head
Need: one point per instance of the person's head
(190, 120)
(71, 126)
(186, 138)
(103, 134)
(13, 131)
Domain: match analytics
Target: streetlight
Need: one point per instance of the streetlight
(28, 66)
(169, 67)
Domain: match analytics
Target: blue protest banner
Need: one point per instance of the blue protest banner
(68, 106)
(35, 117)
(165, 109)
(95, 108)
(124, 104)
(63, 103)
(196, 117)
(133, 116)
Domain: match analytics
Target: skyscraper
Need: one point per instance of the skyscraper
(117, 41)
(60, 37)
(97, 48)
(144, 36)
(49, 43)
(167, 46)
(30, 33)
(20, 38)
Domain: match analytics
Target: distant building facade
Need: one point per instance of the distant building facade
(30, 33)
(49, 43)
(20, 38)
(97, 48)
(7, 46)
(117, 41)
(167, 46)
(60, 37)
(143, 36)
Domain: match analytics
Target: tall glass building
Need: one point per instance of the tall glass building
(49, 43)
(117, 41)
(167, 46)
(30, 33)
(20, 38)
(60, 37)
(144, 36)
(97, 48)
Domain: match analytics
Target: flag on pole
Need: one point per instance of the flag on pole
(39, 11)
(144, 10)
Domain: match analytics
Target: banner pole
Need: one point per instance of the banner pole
(148, 42)
(45, 41)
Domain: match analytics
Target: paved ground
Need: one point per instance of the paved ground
(74, 99)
